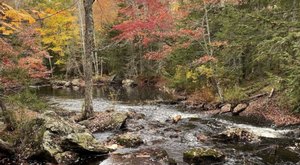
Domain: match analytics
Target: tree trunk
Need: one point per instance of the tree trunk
(81, 23)
(88, 68)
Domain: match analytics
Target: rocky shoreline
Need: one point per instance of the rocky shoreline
(264, 106)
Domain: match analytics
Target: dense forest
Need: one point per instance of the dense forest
(222, 58)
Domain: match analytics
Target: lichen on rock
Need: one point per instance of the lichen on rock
(58, 140)
(203, 156)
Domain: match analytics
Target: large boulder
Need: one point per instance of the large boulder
(57, 140)
(203, 156)
(109, 120)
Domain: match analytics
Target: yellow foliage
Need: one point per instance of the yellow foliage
(59, 62)
(58, 31)
(175, 6)
(205, 71)
(5, 31)
(191, 75)
(12, 20)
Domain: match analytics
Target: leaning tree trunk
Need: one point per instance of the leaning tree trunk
(88, 58)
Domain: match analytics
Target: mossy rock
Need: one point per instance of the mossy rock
(203, 156)
(54, 139)
(129, 140)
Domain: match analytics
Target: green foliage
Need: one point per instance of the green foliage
(234, 94)
(27, 99)
(179, 80)
(16, 74)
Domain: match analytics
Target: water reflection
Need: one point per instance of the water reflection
(111, 93)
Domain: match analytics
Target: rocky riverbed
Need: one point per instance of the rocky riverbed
(166, 134)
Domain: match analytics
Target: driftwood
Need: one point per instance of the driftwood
(271, 93)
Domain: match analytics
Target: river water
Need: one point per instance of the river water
(276, 145)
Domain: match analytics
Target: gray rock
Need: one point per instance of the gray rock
(129, 140)
(239, 108)
(78, 83)
(68, 84)
(53, 138)
(128, 83)
(106, 121)
(225, 109)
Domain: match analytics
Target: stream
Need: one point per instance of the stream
(276, 145)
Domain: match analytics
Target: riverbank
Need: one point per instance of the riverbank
(264, 108)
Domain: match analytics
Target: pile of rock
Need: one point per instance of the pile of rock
(75, 84)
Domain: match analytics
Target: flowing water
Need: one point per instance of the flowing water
(277, 145)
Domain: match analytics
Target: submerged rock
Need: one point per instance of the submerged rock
(57, 140)
(148, 156)
(129, 140)
(106, 121)
(236, 135)
(203, 156)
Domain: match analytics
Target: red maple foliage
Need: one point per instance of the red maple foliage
(152, 21)
(22, 52)
(146, 20)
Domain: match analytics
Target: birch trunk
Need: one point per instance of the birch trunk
(81, 23)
